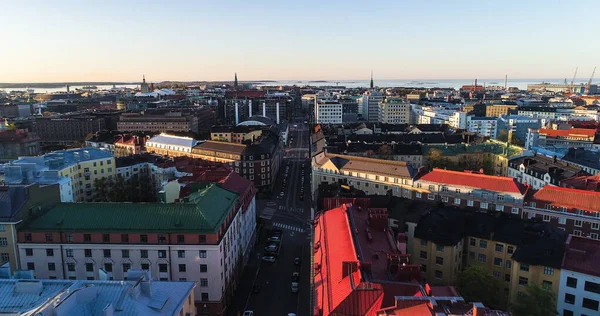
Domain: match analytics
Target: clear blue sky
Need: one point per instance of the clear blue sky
(307, 40)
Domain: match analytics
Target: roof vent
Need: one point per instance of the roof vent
(29, 286)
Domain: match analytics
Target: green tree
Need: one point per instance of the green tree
(435, 159)
(535, 301)
(369, 153)
(476, 284)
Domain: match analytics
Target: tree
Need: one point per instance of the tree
(535, 301)
(476, 284)
(370, 153)
(385, 150)
(435, 159)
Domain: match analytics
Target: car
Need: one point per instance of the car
(271, 248)
(301, 197)
(248, 313)
(269, 259)
(297, 261)
(274, 239)
(294, 287)
(295, 276)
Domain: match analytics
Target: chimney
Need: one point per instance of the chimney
(554, 158)
(237, 116)
(264, 109)
(277, 113)
(249, 108)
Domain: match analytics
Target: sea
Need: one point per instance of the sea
(412, 83)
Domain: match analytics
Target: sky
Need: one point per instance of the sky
(60, 40)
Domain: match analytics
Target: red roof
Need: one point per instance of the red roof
(582, 182)
(570, 198)
(582, 255)
(474, 180)
(581, 132)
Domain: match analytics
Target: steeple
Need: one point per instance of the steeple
(235, 81)
(371, 79)
(143, 78)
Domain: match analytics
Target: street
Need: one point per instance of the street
(265, 287)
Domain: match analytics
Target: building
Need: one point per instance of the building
(498, 110)
(195, 240)
(168, 122)
(438, 115)
(373, 176)
(394, 111)
(560, 114)
(558, 87)
(370, 105)
(485, 126)
(588, 160)
(137, 296)
(579, 290)
(170, 145)
(575, 211)
(66, 130)
(589, 183)
(518, 125)
(76, 170)
(18, 202)
(15, 143)
(574, 137)
(328, 112)
(128, 145)
(539, 171)
(471, 189)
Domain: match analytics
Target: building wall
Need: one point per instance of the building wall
(576, 222)
(8, 245)
(396, 112)
(538, 275)
(83, 175)
(66, 131)
(429, 254)
(498, 110)
(579, 292)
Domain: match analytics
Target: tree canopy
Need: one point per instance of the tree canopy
(476, 284)
(535, 301)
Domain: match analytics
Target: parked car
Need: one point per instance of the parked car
(297, 261)
(248, 313)
(295, 276)
(274, 239)
(271, 248)
(294, 287)
(269, 259)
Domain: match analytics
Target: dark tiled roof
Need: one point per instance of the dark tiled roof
(582, 255)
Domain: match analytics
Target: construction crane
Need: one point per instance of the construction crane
(573, 80)
(589, 84)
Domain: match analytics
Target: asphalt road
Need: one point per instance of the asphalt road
(292, 216)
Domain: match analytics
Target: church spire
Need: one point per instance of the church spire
(371, 79)
(144, 78)
(235, 81)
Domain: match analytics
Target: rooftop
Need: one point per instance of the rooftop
(474, 180)
(226, 147)
(61, 159)
(573, 132)
(172, 140)
(201, 212)
(583, 157)
(569, 198)
(582, 255)
(346, 163)
(542, 165)
(582, 182)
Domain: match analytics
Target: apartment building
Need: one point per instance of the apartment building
(373, 176)
(519, 125)
(66, 130)
(498, 110)
(471, 189)
(160, 123)
(15, 143)
(75, 170)
(560, 114)
(574, 137)
(539, 171)
(394, 111)
(370, 105)
(438, 115)
(485, 126)
(328, 112)
(170, 145)
(579, 290)
(199, 240)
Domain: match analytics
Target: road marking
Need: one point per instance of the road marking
(282, 207)
(289, 227)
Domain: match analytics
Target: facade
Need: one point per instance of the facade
(197, 240)
(370, 105)
(519, 125)
(498, 110)
(560, 114)
(539, 171)
(328, 112)
(588, 160)
(394, 111)
(67, 130)
(169, 122)
(75, 170)
(15, 143)
(485, 126)
(574, 137)
(579, 290)
(138, 296)
(170, 145)
(438, 115)
(128, 145)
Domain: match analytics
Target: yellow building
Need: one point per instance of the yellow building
(497, 110)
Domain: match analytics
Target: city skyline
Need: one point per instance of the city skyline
(185, 41)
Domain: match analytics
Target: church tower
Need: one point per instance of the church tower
(144, 86)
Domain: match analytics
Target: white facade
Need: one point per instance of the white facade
(572, 292)
(484, 126)
(328, 112)
(370, 105)
(394, 111)
(438, 115)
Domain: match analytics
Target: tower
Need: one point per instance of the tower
(144, 86)
(235, 81)
(371, 79)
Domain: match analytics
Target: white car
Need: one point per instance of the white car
(248, 313)
(294, 287)
(269, 258)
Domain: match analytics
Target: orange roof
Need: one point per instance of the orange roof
(571, 198)
(475, 180)
(585, 132)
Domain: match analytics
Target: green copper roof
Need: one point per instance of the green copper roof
(202, 212)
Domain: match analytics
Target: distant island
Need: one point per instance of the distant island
(52, 85)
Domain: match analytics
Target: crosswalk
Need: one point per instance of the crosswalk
(289, 227)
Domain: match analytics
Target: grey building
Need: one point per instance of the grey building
(520, 124)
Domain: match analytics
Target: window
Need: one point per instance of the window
(456, 201)
(89, 267)
(126, 267)
(69, 237)
(471, 255)
(108, 267)
(484, 195)
(202, 253)
(578, 223)
(523, 281)
(524, 267)
(483, 205)
(87, 253)
(496, 274)
(546, 218)
(28, 252)
(590, 304)
(499, 207)
(569, 298)
(571, 282)
(439, 248)
(180, 253)
(508, 264)
(431, 196)
(182, 268)
(162, 253)
(162, 239)
(4, 257)
(562, 220)
(204, 297)
(595, 226)
(423, 255)
(482, 258)
(144, 239)
(423, 268)
(28, 237)
(547, 285)
(49, 237)
(515, 210)
(69, 253)
(145, 266)
(180, 239)
(424, 242)
(124, 238)
(202, 239)
(498, 262)
(548, 271)
(499, 247)
(507, 277)
(445, 199)
(483, 244)
(87, 237)
(439, 260)
(438, 274)
(472, 242)
(30, 266)
(203, 268)
(469, 202)
(70, 267)
(125, 253)
(500, 197)
(510, 250)
(106, 253)
(144, 253)
(51, 266)
(105, 238)
(431, 187)
(592, 287)
(162, 267)
(203, 282)
(418, 195)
